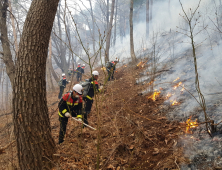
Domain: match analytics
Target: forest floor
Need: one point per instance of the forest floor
(133, 131)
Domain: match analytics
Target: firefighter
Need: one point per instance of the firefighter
(70, 72)
(69, 106)
(113, 68)
(79, 71)
(109, 67)
(83, 67)
(62, 83)
(89, 97)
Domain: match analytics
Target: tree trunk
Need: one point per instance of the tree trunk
(49, 67)
(61, 50)
(121, 27)
(107, 14)
(151, 13)
(114, 40)
(7, 56)
(35, 145)
(169, 9)
(2, 83)
(1, 69)
(147, 19)
(131, 32)
(13, 28)
(109, 31)
(7, 92)
(54, 74)
(93, 31)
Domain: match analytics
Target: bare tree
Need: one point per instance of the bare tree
(192, 23)
(109, 31)
(133, 56)
(93, 29)
(107, 14)
(116, 14)
(7, 55)
(147, 18)
(49, 67)
(13, 28)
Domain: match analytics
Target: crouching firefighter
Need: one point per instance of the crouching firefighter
(69, 106)
(88, 98)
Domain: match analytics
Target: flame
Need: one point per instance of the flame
(150, 83)
(182, 89)
(168, 95)
(174, 102)
(190, 125)
(176, 79)
(175, 87)
(154, 95)
(139, 63)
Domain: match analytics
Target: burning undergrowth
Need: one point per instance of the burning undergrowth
(177, 81)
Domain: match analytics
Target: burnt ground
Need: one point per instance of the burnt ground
(133, 131)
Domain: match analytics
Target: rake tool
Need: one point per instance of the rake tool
(80, 121)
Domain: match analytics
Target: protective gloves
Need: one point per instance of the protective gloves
(67, 114)
(101, 87)
(79, 118)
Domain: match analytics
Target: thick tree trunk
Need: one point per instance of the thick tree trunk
(109, 31)
(35, 145)
(147, 19)
(13, 28)
(133, 56)
(7, 56)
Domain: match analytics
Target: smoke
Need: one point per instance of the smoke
(176, 52)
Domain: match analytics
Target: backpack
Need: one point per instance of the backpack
(60, 82)
(109, 65)
(85, 85)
